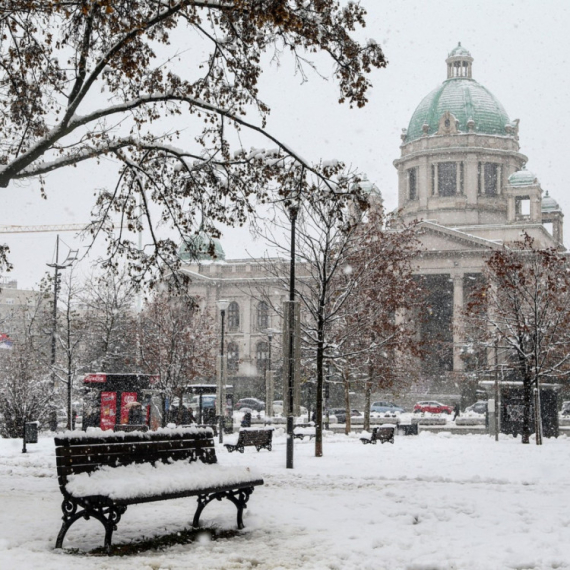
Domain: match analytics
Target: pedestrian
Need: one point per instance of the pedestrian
(189, 416)
(456, 411)
(246, 421)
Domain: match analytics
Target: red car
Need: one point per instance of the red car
(432, 408)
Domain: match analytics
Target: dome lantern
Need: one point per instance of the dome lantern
(459, 63)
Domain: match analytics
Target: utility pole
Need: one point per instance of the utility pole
(71, 257)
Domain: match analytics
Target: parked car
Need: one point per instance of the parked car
(340, 414)
(253, 404)
(208, 401)
(382, 407)
(278, 408)
(432, 407)
(565, 411)
(478, 407)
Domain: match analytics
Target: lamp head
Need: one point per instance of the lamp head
(222, 304)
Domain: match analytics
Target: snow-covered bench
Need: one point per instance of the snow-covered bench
(101, 474)
(254, 437)
(302, 431)
(382, 434)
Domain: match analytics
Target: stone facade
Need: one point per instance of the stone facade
(466, 184)
(461, 174)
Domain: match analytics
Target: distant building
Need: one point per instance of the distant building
(462, 174)
(12, 301)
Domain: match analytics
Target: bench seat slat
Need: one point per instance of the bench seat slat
(128, 448)
(115, 459)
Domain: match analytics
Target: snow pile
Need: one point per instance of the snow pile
(146, 480)
(98, 433)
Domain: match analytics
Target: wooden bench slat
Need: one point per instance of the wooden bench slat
(125, 459)
(126, 448)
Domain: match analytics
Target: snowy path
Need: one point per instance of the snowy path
(426, 503)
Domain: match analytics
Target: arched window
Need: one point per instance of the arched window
(233, 357)
(262, 316)
(262, 356)
(233, 316)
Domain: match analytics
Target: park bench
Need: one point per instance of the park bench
(101, 474)
(304, 430)
(381, 433)
(253, 437)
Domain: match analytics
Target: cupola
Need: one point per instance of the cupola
(459, 63)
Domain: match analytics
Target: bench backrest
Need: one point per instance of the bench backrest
(255, 437)
(86, 454)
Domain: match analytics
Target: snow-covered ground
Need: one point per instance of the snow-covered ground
(432, 502)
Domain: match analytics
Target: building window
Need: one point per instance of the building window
(488, 179)
(233, 358)
(233, 316)
(262, 356)
(491, 178)
(447, 178)
(412, 184)
(262, 316)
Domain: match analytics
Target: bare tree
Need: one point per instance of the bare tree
(26, 389)
(108, 307)
(522, 313)
(374, 336)
(177, 343)
(71, 339)
(99, 80)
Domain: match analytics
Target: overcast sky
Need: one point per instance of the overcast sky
(520, 48)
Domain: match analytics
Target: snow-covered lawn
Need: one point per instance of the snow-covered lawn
(432, 502)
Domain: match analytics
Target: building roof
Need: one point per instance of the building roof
(459, 51)
(549, 204)
(466, 100)
(522, 178)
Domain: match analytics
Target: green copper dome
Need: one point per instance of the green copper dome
(459, 50)
(201, 247)
(522, 178)
(462, 96)
(549, 204)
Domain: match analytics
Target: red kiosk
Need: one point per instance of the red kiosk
(110, 397)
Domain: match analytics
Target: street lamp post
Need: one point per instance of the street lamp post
(293, 211)
(222, 306)
(269, 377)
(71, 257)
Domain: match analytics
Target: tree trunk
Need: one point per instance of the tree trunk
(320, 379)
(347, 422)
(527, 404)
(367, 403)
(537, 417)
(368, 397)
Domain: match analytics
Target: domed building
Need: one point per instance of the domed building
(462, 174)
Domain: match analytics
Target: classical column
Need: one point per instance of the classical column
(402, 186)
(470, 180)
(435, 179)
(424, 182)
(457, 321)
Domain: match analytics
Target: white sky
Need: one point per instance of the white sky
(521, 55)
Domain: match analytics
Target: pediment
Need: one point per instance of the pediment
(436, 238)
